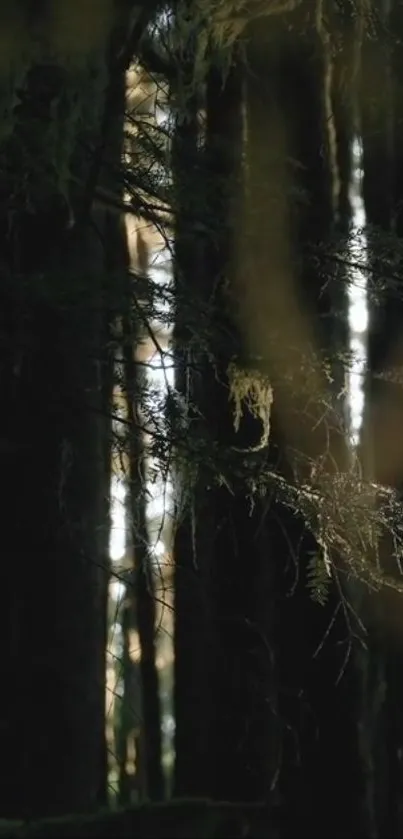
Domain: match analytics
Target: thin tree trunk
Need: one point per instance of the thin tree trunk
(130, 740)
(143, 592)
(376, 112)
(192, 556)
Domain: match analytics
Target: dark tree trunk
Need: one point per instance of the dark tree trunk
(382, 120)
(243, 737)
(224, 693)
(55, 376)
(287, 210)
(54, 518)
(192, 621)
(376, 117)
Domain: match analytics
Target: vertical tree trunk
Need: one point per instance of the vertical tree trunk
(288, 147)
(376, 112)
(293, 198)
(55, 464)
(142, 593)
(130, 736)
(244, 743)
(382, 121)
(223, 660)
(192, 622)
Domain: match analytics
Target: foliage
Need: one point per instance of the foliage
(318, 577)
(347, 514)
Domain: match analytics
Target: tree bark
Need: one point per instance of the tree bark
(192, 621)
(244, 732)
(382, 453)
(55, 376)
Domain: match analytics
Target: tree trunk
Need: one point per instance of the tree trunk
(142, 591)
(192, 621)
(223, 661)
(290, 304)
(244, 742)
(55, 460)
(382, 120)
(130, 726)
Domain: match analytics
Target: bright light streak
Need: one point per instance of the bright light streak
(158, 549)
(117, 590)
(158, 506)
(160, 372)
(358, 303)
(160, 375)
(358, 316)
(117, 539)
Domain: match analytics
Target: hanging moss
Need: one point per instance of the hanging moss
(251, 391)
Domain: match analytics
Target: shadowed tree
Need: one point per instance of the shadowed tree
(54, 373)
(243, 681)
(58, 256)
(381, 125)
(284, 207)
(192, 623)
(293, 199)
